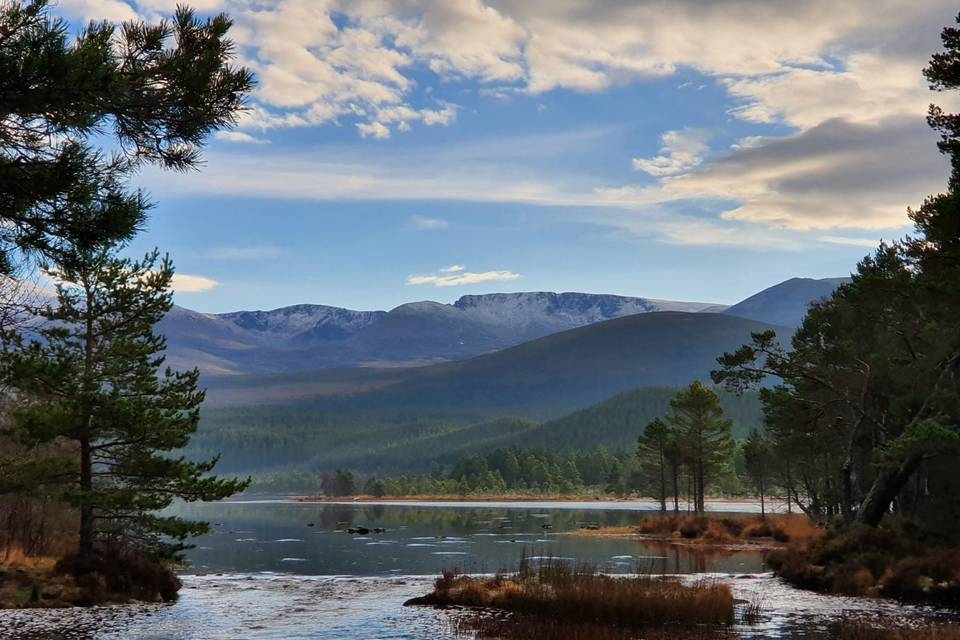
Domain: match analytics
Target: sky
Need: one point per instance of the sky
(406, 150)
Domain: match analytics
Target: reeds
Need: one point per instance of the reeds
(723, 530)
(559, 600)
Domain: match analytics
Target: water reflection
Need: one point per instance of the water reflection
(314, 539)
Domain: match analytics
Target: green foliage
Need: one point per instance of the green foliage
(756, 458)
(271, 439)
(148, 93)
(702, 434)
(91, 376)
(869, 409)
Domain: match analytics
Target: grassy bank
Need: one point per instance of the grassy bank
(109, 577)
(556, 600)
(719, 530)
(892, 562)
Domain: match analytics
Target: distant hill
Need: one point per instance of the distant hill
(618, 421)
(575, 368)
(545, 377)
(311, 337)
(786, 303)
(264, 439)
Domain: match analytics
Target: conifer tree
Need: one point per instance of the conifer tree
(79, 115)
(653, 453)
(756, 458)
(870, 387)
(92, 377)
(704, 436)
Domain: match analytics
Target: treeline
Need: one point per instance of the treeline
(865, 419)
(498, 472)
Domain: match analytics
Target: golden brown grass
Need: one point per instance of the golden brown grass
(529, 628)
(889, 561)
(15, 558)
(555, 600)
(719, 530)
(110, 576)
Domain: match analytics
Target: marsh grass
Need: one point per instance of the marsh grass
(555, 599)
(890, 562)
(752, 612)
(726, 530)
(533, 628)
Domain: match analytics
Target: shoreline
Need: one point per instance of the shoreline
(652, 504)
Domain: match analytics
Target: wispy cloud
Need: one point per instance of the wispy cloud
(184, 283)
(853, 242)
(457, 275)
(429, 224)
(240, 137)
(242, 253)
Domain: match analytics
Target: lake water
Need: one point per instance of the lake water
(288, 570)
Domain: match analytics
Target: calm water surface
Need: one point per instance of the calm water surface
(287, 570)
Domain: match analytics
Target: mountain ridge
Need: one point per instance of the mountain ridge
(303, 337)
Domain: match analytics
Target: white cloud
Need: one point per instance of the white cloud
(239, 136)
(184, 283)
(852, 242)
(429, 224)
(373, 130)
(457, 275)
(319, 61)
(680, 152)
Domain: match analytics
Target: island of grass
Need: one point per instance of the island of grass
(895, 560)
(720, 530)
(553, 600)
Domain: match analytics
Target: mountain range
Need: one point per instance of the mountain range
(540, 378)
(306, 337)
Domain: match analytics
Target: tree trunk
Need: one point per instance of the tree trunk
(86, 509)
(789, 488)
(86, 453)
(884, 489)
(676, 487)
(700, 487)
(763, 508)
(663, 484)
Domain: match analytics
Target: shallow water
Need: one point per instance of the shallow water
(264, 574)
(426, 539)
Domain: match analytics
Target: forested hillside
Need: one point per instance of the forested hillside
(254, 440)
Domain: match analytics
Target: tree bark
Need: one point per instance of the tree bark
(663, 483)
(86, 509)
(763, 507)
(86, 458)
(884, 489)
(676, 487)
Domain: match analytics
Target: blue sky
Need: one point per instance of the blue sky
(410, 150)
